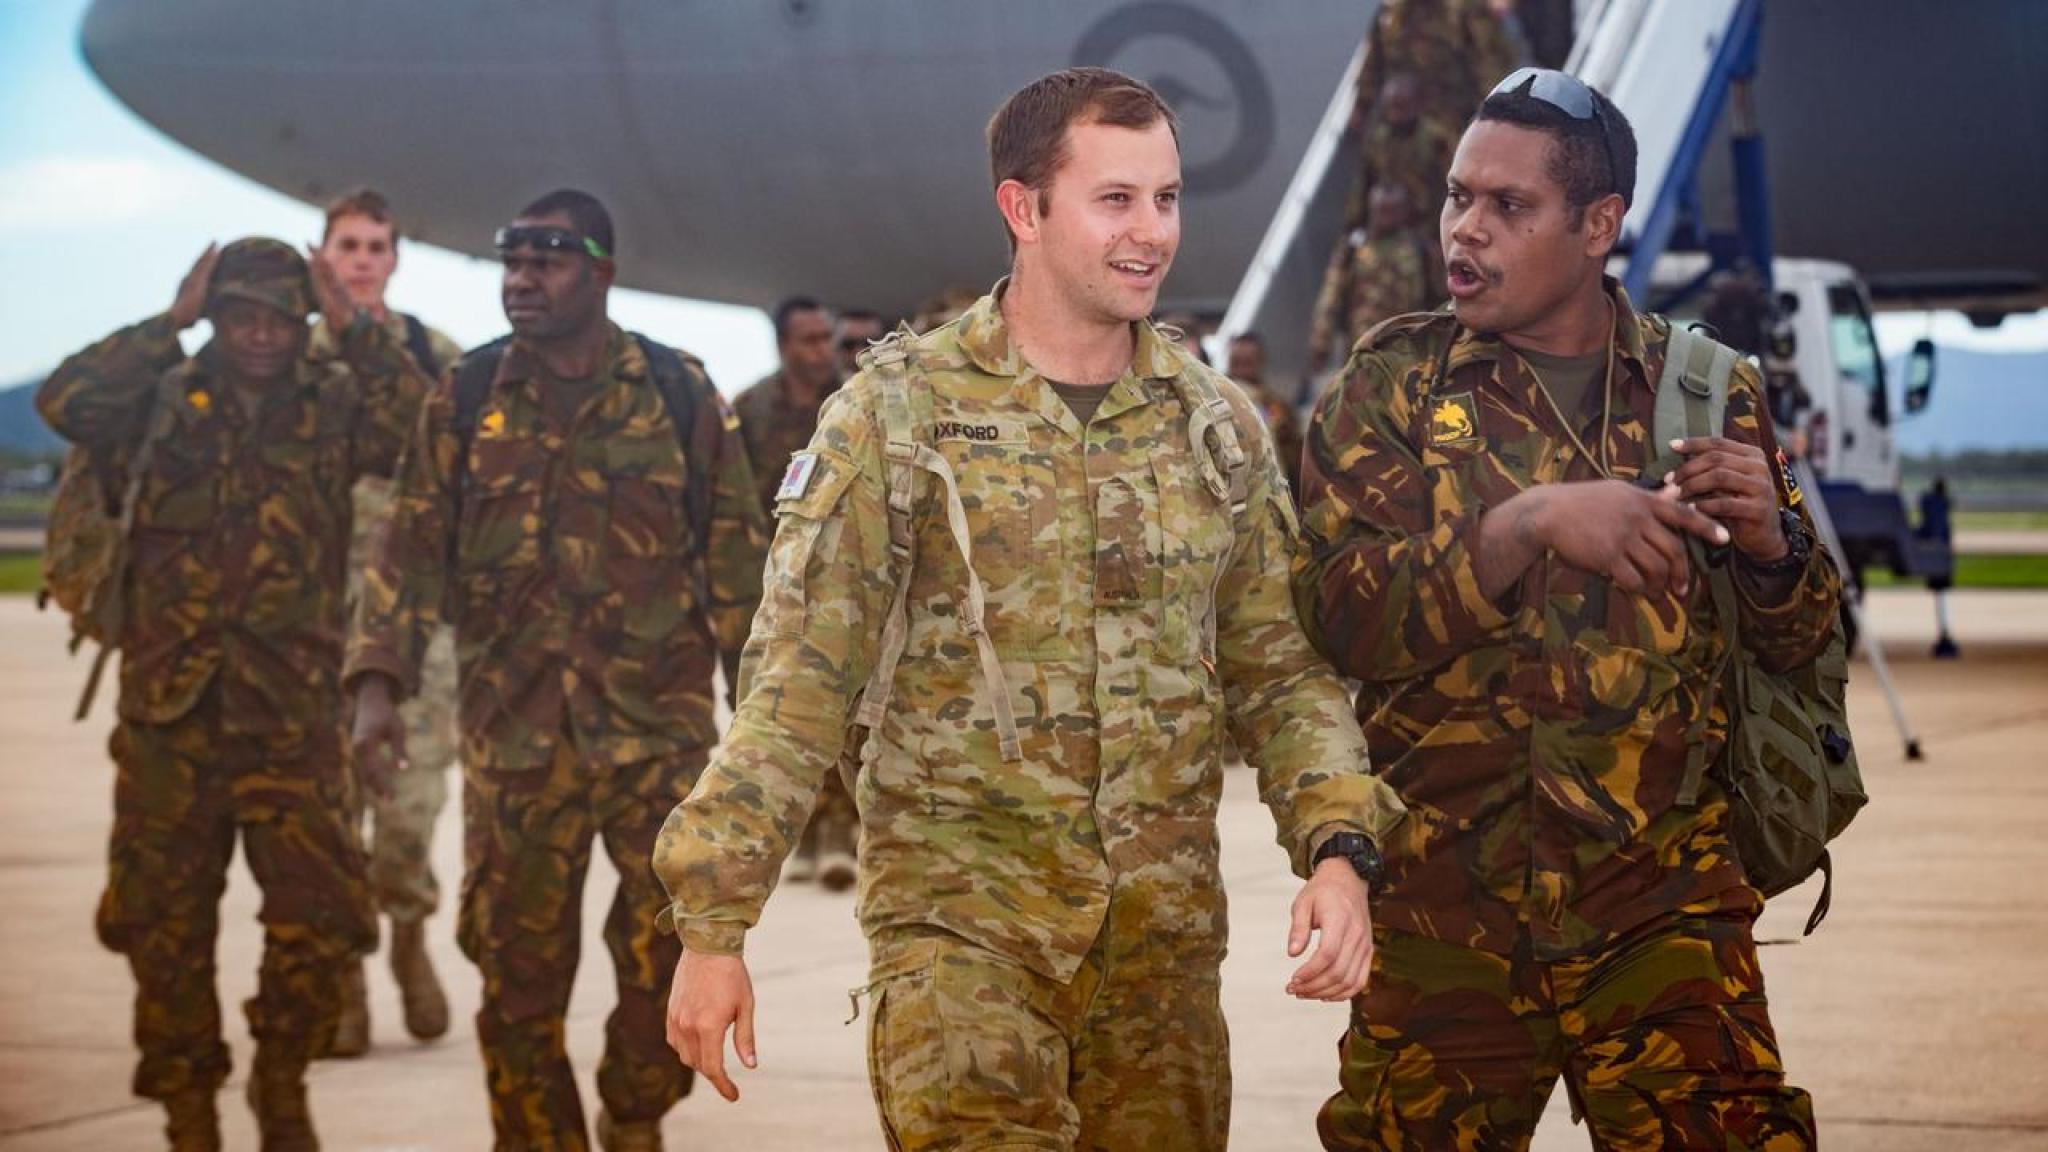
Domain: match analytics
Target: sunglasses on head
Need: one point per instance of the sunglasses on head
(548, 239)
(1569, 95)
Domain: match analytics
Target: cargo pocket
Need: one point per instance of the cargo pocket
(906, 1044)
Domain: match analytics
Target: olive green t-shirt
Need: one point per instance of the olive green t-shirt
(1572, 381)
(1082, 399)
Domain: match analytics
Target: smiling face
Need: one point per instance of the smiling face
(1104, 230)
(1515, 252)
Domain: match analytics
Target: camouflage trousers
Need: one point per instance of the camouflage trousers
(527, 838)
(968, 1050)
(182, 792)
(400, 842)
(1663, 1038)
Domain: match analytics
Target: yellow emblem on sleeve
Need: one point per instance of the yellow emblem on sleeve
(494, 421)
(1451, 419)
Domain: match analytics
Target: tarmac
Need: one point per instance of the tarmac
(1917, 1016)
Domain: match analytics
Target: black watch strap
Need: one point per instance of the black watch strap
(1798, 546)
(1358, 849)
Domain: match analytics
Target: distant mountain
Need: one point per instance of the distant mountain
(1994, 401)
(21, 430)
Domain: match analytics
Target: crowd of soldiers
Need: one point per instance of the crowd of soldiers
(1033, 566)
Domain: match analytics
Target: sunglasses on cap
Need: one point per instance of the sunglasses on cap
(548, 239)
(1569, 95)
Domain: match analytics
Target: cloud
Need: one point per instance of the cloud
(59, 192)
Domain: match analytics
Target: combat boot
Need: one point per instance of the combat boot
(277, 1095)
(426, 1005)
(352, 1028)
(837, 867)
(627, 1135)
(193, 1124)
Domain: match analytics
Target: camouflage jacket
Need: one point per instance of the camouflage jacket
(1539, 739)
(775, 428)
(238, 559)
(1457, 49)
(1102, 553)
(1371, 280)
(1418, 159)
(559, 551)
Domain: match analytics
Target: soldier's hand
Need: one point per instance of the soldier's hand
(330, 295)
(377, 738)
(190, 302)
(1731, 481)
(1634, 537)
(1333, 902)
(711, 994)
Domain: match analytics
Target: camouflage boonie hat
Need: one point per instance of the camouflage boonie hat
(263, 270)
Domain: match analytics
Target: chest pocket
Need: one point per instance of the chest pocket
(182, 494)
(1009, 492)
(1196, 536)
(502, 501)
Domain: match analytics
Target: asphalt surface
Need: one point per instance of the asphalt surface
(1918, 1016)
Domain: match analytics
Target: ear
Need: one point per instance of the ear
(605, 271)
(1019, 206)
(1603, 225)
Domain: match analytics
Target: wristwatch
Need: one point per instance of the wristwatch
(1356, 848)
(1798, 546)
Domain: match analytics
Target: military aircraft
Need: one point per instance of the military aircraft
(835, 146)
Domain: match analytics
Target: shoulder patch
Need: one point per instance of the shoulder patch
(796, 479)
(1793, 495)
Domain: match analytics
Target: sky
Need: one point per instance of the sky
(101, 215)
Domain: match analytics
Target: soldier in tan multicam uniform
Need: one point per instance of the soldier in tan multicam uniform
(361, 242)
(243, 458)
(594, 566)
(1539, 655)
(1096, 538)
(778, 415)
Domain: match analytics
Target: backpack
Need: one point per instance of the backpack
(686, 392)
(910, 432)
(1789, 766)
(85, 546)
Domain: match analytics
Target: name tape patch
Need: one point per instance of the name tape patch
(979, 432)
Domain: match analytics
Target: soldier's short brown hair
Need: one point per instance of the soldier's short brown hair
(1027, 137)
(364, 201)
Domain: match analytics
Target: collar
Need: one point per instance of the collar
(623, 361)
(985, 337)
(1471, 347)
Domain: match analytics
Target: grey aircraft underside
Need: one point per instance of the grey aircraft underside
(752, 148)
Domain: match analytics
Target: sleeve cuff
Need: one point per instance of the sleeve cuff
(382, 662)
(711, 937)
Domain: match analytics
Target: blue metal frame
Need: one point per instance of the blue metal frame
(1734, 59)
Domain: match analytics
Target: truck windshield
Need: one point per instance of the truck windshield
(1855, 347)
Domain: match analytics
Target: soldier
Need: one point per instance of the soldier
(361, 242)
(1094, 537)
(1400, 146)
(578, 498)
(1247, 364)
(852, 332)
(777, 417)
(238, 464)
(1381, 270)
(1451, 46)
(1487, 555)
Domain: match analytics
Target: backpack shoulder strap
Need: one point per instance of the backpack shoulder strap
(688, 395)
(474, 374)
(1692, 400)
(1212, 433)
(907, 426)
(422, 348)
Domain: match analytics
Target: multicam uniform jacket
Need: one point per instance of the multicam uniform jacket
(238, 559)
(561, 552)
(1538, 739)
(1102, 553)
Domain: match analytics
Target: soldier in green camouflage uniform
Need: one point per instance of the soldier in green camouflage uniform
(555, 534)
(777, 417)
(1381, 271)
(1538, 657)
(232, 640)
(1453, 48)
(1246, 363)
(1399, 145)
(1038, 793)
(361, 241)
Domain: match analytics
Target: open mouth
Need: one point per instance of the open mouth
(1464, 278)
(1136, 271)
